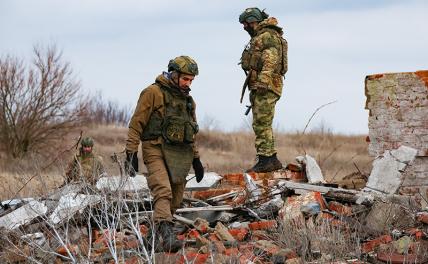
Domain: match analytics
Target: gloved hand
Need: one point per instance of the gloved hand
(131, 163)
(198, 168)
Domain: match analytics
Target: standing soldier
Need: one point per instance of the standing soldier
(85, 166)
(165, 122)
(264, 60)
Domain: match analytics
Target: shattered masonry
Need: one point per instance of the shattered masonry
(398, 116)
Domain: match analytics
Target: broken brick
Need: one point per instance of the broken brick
(340, 208)
(223, 233)
(417, 233)
(193, 233)
(63, 250)
(144, 230)
(262, 225)
(239, 234)
(203, 195)
(372, 244)
(202, 225)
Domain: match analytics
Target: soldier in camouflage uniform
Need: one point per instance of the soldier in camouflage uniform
(85, 166)
(264, 60)
(165, 123)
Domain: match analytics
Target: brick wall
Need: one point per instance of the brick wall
(398, 115)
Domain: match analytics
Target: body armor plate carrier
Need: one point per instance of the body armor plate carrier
(178, 129)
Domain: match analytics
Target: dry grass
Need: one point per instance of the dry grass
(220, 152)
(336, 154)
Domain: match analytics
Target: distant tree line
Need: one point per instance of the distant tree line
(41, 102)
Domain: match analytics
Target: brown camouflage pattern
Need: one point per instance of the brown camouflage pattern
(266, 44)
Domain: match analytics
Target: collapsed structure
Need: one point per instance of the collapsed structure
(288, 216)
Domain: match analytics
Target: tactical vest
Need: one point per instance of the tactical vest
(178, 130)
(251, 59)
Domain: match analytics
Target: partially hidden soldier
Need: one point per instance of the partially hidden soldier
(165, 122)
(264, 60)
(85, 166)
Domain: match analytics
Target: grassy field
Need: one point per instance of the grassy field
(337, 155)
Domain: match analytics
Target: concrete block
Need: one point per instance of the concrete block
(313, 171)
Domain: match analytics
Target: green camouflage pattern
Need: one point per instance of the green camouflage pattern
(85, 168)
(263, 108)
(184, 64)
(87, 142)
(265, 57)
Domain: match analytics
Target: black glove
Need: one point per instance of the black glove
(198, 168)
(131, 163)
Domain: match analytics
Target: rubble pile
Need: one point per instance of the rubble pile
(287, 216)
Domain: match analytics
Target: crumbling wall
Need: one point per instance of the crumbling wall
(398, 115)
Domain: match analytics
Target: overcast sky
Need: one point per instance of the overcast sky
(119, 47)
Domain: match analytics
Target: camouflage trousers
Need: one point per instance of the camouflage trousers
(263, 108)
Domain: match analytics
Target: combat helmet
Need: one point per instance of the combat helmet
(183, 64)
(87, 142)
(252, 14)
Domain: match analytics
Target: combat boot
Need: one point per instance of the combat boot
(170, 243)
(266, 164)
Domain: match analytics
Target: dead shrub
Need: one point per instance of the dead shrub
(39, 103)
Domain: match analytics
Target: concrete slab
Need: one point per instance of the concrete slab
(385, 176)
(70, 204)
(210, 180)
(66, 189)
(23, 215)
(123, 183)
(404, 154)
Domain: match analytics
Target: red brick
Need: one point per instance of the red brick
(423, 75)
(417, 233)
(73, 249)
(263, 225)
(203, 195)
(239, 234)
(193, 233)
(213, 237)
(372, 244)
(144, 230)
(340, 208)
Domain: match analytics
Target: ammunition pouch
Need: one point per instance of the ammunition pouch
(178, 130)
(245, 60)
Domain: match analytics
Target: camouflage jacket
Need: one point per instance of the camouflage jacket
(265, 57)
(151, 100)
(85, 168)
